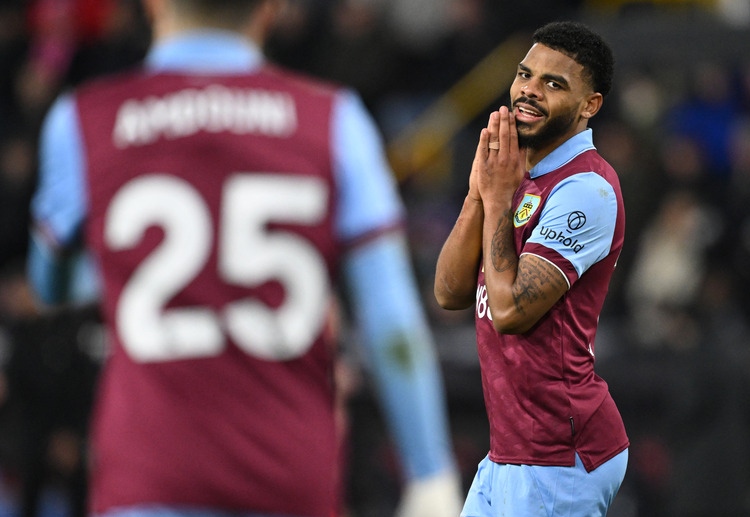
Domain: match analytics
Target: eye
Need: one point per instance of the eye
(523, 75)
(553, 85)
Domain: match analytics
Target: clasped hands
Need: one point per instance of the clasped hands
(499, 163)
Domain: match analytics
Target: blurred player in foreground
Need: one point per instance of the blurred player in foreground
(533, 250)
(221, 198)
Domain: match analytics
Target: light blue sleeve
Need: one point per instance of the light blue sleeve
(578, 220)
(59, 204)
(56, 273)
(385, 298)
(368, 193)
(400, 353)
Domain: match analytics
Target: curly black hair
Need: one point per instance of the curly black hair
(583, 45)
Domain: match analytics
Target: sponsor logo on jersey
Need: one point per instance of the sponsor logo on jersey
(526, 209)
(576, 220)
(562, 237)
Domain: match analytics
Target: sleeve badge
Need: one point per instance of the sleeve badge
(526, 209)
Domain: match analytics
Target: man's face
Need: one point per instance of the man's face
(548, 97)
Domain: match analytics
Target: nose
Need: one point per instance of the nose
(531, 89)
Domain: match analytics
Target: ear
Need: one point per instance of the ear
(593, 104)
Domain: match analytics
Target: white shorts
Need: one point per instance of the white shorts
(504, 490)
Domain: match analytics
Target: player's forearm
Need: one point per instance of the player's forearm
(458, 262)
(501, 269)
(401, 354)
(411, 396)
(520, 290)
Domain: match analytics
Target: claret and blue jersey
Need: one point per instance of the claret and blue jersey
(545, 402)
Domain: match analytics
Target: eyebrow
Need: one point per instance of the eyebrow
(548, 77)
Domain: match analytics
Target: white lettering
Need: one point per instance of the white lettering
(212, 109)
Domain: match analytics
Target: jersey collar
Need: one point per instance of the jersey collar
(207, 51)
(568, 150)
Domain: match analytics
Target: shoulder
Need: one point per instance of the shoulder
(587, 176)
(584, 192)
(592, 161)
(586, 183)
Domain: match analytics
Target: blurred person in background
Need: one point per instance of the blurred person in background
(534, 248)
(221, 197)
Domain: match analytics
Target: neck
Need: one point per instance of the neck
(168, 21)
(537, 152)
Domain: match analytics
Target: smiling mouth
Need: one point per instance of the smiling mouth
(527, 114)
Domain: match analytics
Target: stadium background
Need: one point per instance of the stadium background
(673, 343)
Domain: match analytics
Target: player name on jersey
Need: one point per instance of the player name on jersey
(215, 109)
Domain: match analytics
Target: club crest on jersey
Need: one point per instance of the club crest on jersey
(526, 209)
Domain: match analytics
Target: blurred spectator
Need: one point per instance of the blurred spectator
(670, 265)
(707, 115)
(643, 186)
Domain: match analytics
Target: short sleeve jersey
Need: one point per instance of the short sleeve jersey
(544, 401)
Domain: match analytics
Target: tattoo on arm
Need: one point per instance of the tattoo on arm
(503, 251)
(532, 282)
(535, 279)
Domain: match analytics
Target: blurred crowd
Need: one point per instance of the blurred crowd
(673, 341)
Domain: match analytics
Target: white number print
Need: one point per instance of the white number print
(483, 306)
(249, 254)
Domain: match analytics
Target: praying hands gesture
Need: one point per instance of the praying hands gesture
(520, 290)
(498, 166)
